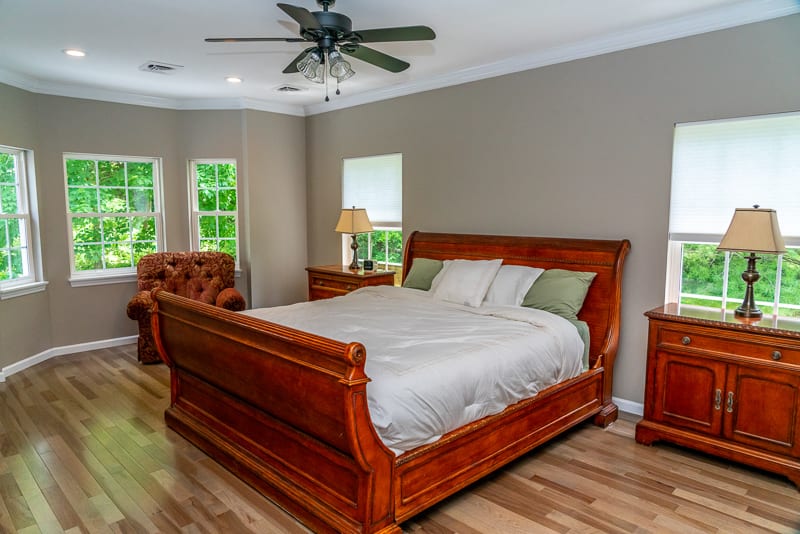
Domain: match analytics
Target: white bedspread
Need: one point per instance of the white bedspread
(436, 366)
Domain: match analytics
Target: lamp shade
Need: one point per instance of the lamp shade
(353, 221)
(754, 230)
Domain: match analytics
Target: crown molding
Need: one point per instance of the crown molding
(708, 21)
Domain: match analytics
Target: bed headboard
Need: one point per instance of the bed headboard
(601, 309)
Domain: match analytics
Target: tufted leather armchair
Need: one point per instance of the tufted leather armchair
(203, 276)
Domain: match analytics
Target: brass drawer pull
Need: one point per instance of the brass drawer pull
(686, 340)
(729, 405)
(776, 355)
(350, 286)
(320, 283)
(717, 399)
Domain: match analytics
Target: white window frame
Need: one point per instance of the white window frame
(711, 234)
(33, 280)
(194, 207)
(80, 278)
(350, 199)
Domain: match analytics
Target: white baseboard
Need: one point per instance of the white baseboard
(635, 408)
(60, 351)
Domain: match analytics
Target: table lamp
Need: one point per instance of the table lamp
(353, 221)
(752, 230)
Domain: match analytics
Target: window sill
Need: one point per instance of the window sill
(99, 280)
(25, 289)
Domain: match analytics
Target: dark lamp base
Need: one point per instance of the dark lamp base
(748, 313)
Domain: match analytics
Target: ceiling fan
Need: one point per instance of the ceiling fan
(333, 35)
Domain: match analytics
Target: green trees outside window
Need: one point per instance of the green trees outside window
(113, 212)
(14, 256)
(215, 206)
(703, 279)
(385, 247)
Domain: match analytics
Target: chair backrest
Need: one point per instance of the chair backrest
(195, 275)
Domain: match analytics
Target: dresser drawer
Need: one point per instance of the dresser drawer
(333, 283)
(746, 345)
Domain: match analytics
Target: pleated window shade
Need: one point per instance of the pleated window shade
(376, 184)
(722, 165)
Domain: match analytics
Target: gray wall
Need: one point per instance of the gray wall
(31, 313)
(63, 315)
(580, 149)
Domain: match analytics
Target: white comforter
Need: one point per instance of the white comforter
(436, 366)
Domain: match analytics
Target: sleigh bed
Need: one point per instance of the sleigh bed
(287, 412)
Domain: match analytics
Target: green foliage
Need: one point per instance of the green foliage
(140, 175)
(8, 168)
(105, 196)
(216, 187)
(111, 173)
(81, 172)
(218, 233)
(9, 191)
(216, 192)
(703, 272)
(386, 245)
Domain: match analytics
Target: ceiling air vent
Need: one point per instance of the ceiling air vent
(289, 89)
(159, 67)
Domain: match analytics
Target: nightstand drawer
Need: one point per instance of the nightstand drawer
(745, 345)
(327, 281)
(333, 283)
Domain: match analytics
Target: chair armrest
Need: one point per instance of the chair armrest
(231, 299)
(140, 305)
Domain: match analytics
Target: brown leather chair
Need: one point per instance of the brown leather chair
(203, 276)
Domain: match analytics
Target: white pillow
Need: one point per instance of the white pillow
(464, 281)
(511, 285)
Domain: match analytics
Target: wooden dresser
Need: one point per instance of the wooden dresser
(724, 386)
(326, 281)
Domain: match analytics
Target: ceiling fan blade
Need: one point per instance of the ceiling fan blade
(379, 59)
(385, 35)
(292, 67)
(253, 39)
(303, 16)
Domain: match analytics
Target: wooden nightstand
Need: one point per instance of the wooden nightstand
(326, 281)
(724, 386)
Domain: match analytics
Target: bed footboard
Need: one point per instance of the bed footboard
(282, 409)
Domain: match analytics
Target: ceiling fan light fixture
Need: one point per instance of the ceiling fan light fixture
(346, 76)
(319, 76)
(340, 69)
(309, 65)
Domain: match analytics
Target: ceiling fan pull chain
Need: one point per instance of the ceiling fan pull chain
(325, 74)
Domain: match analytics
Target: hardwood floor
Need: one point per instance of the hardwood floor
(84, 448)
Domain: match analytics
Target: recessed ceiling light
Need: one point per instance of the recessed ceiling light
(74, 52)
(233, 79)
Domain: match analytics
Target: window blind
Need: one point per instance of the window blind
(376, 184)
(719, 166)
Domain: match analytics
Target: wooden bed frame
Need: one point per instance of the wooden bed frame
(286, 410)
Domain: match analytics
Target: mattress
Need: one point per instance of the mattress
(435, 366)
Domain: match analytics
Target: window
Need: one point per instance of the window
(215, 221)
(719, 166)
(376, 184)
(114, 215)
(20, 269)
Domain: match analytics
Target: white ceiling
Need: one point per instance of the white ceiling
(475, 39)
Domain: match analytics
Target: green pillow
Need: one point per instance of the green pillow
(422, 272)
(560, 292)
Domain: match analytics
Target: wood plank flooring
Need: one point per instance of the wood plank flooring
(84, 448)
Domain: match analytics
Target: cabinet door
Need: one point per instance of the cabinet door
(761, 408)
(689, 392)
